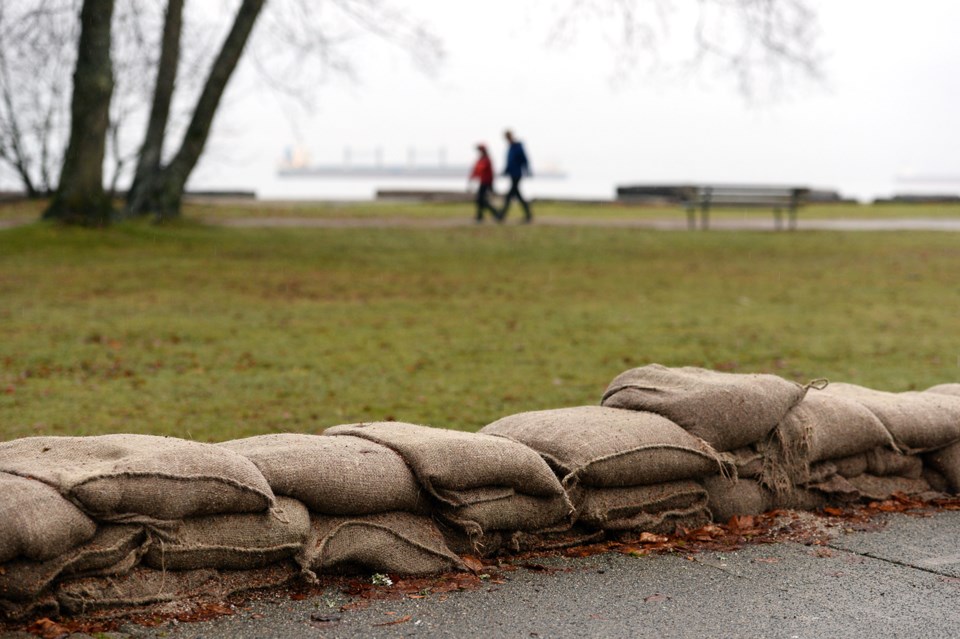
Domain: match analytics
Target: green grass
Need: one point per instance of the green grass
(215, 333)
(23, 210)
(613, 210)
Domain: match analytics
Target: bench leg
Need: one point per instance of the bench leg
(705, 218)
(691, 218)
(778, 219)
(793, 219)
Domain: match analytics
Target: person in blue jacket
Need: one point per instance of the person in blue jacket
(517, 167)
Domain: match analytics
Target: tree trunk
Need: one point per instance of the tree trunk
(148, 163)
(166, 194)
(80, 198)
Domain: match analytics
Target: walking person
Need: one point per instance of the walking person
(483, 173)
(517, 167)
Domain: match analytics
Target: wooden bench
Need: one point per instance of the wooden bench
(778, 198)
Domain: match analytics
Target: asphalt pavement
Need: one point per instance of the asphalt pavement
(900, 581)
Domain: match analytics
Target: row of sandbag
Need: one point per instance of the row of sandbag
(804, 446)
(671, 447)
(92, 521)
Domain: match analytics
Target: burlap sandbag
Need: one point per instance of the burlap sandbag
(504, 509)
(727, 410)
(334, 475)
(234, 542)
(463, 469)
(397, 543)
(654, 508)
(140, 587)
(748, 462)
(835, 488)
(820, 427)
(946, 461)
(728, 498)
(127, 478)
(875, 488)
(884, 462)
(830, 427)
(45, 605)
(733, 497)
(145, 586)
(938, 482)
(945, 389)
(114, 550)
(610, 447)
(918, 421)
(36, 522)
(850, 466)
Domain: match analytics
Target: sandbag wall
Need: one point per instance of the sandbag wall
(119, 520)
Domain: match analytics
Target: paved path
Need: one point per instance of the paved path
(747, 224)
(662, 224)
(903, 581)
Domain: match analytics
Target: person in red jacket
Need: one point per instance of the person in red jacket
(483, 173)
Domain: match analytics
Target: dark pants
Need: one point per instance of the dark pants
(514, 192)
(483, 202)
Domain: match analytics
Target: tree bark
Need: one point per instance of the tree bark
(166, 193)
(80, 198)
(150, 157)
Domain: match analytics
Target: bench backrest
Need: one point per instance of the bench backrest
(742, 195)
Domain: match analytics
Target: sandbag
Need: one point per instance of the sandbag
(610, 447)
(45, 605)
(127, 478)
(727, 410)
(234, 542)
(938, 482)
(851, 466)
(334, 475)
(945, 389)
(145, 586)
(835, 488)
(827, 426)
(876, 488)
(734, 497)
(884, 462)
(820, 427)
(654, 508)
(36, 522)
(946, 461)
(397, 543)
(918, 421)
(728, 498)
(114, 550)
(462, 469)
(503, 509)
(748, 462)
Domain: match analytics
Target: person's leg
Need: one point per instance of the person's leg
(508, 199)
(527, 215)
(487, 190)
(481, 201)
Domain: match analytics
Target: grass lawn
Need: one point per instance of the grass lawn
(215, 333)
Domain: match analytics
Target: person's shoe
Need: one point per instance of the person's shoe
(500, 217)
(528, 219)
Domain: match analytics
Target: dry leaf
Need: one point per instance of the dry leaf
(403, 619)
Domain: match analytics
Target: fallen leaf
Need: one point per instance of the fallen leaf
(403, 619)
(472, 563)
(766, 560)
(657, 598)
(47, 629)
(650, 538)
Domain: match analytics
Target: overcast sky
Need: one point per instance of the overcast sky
(888, 109)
